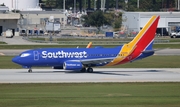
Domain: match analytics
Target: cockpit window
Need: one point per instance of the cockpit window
(24, 54)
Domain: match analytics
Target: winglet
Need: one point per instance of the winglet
(89, 45)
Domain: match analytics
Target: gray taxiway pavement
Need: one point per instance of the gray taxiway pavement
(16, 40)
(100, 75)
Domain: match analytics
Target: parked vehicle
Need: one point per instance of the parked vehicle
(162, 32)
(23, 32)
(105, 26)
(9, 33)
(175, 35)
(86, 25)
(78, 25)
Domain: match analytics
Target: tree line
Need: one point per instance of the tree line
(131, 5)
(113, 18)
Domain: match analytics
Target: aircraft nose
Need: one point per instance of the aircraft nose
(15, 60)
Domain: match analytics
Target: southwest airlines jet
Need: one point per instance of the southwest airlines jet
(84, 59)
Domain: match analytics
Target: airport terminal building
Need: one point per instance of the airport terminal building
(26, 14)
(134, 21)
(29, 20)
(8, 20)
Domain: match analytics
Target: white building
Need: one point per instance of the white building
(134, 21)
(36, 19)
(8, 20)
(22, 5)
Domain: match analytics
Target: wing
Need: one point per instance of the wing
(96, 61)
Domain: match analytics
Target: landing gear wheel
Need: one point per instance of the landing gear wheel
(83, 70)
(30, 70)
(90, 70)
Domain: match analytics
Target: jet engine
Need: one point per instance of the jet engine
(72, 65)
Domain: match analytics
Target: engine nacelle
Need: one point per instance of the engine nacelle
(72, 65)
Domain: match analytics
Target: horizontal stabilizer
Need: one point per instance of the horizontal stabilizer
(148, 51)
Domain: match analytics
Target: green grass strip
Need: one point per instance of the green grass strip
(2, 42)
(90, 95)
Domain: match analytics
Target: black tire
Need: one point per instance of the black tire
(174, 36)
(83, 70)
(90, 70)
(30, 70)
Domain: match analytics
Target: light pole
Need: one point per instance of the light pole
(74, 6)
(138, 4)
(95, 4)
(116, 4)
(15, 6)
(85, 5)
(64, 9)
(178, 4)
(103, 3)
(71, 19)
(71, 15)
(64, 4)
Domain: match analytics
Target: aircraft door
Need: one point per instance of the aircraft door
(36, 55)
(1, 30)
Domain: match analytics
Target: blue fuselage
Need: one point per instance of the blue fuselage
(57, 56)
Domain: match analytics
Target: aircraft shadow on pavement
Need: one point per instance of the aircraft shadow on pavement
(78, 72)
(108, 73)
(96, 72)
(113, 72)
(122, 73)
(137, 71)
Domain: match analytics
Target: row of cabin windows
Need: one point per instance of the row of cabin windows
(93, 55)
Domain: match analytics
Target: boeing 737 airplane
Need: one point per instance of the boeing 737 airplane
(84, 59)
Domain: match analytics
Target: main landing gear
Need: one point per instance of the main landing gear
(90, 70)
(30, 70)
